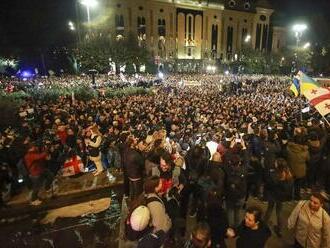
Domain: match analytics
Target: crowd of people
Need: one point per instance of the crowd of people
(197, 151)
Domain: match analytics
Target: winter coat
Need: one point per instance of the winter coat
(315, 150)
(275, 189)
(272, 149)
(159, 218)
(215, 175)
(133, 163)
(34, 162)
(298, 156)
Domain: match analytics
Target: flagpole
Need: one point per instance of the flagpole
(326, 120)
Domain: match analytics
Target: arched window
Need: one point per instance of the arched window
(214, 41)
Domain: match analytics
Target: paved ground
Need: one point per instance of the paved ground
(19, 223)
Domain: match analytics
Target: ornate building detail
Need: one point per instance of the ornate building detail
(198, 29)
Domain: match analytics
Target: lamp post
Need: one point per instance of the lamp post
(89, 4)
(298, 30)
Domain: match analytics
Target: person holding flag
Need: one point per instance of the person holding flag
(302, 83)
(318, 96)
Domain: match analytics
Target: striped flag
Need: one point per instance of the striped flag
(320, 99)
(295, 86)
(301, 83)
(307, 83)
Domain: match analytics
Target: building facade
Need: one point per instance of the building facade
(197, 29)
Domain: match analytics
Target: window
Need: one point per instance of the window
(230, 18)
(118, 5)
(140, 8)
(215, 17)
(190, 28)
(230, 32)
(119, 22)
(214, 40)
(263, 18)
(244, 34)
(247, 5)
(161, 27)
(189, 51)
(141, 26)
(161, 10)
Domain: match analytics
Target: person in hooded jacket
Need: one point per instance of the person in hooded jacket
(298, 156)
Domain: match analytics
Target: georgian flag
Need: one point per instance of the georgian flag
(320, 99)
(72, 166)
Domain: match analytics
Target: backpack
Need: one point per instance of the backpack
(235, 182)
(139, 213)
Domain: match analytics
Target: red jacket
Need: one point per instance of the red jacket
(34, 162)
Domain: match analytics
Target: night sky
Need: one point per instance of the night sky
(37, 24)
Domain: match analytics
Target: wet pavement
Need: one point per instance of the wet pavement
(20, 223)
(92, 230)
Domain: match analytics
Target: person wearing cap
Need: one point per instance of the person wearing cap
(93, 145)
(310, 222)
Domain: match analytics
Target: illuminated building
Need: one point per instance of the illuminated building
(195, 30)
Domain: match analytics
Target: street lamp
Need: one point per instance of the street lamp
(89, 4)
(299, 29)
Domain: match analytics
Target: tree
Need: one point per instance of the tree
(94, 53)
(127, 51)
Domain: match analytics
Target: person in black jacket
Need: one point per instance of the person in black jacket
(133, 166)
(216, 218)
(252, 232)
(278, 188)
(235, 165)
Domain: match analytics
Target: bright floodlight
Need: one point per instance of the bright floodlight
(307, 45)
(299, 27)
(89, 3)
(227, 72)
